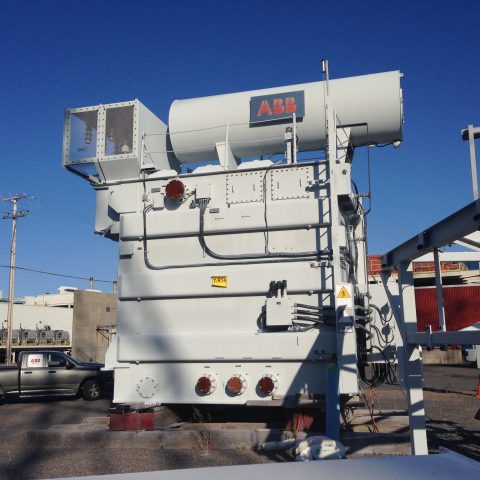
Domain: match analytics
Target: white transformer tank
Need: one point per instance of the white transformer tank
(238, 283)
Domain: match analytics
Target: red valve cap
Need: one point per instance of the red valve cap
(204, 384)
(175, 190)
(234, 385)
(266, 385)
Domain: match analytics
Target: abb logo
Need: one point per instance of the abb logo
(35, 361)
(276, 107)
(279, 105)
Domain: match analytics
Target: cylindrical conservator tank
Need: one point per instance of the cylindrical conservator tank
(372, 104)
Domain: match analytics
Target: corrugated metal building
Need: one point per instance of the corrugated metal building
(461, 305)
(461, 301)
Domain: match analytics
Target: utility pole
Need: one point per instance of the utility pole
(13, 215)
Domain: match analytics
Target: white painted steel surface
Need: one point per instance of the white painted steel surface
(108, 142)
(444, 466)
(174, 326)
(239, 276)
(371, 102)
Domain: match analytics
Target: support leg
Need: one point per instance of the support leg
(411, 367)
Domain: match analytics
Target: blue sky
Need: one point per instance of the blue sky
(58, 54)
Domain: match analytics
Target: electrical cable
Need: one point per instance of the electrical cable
(247, 256)
(384, 321)
(56, 274)
(365, 329)
(210, 146)
(313, 320)
(379, 374)
(308, 312)
(151, 266)
(384, 342)
(264, 192)
(325, 311)
(298, 328)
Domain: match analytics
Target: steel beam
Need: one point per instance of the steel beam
(453, 256)
(461, 223)
(438, 284)
(461, 337)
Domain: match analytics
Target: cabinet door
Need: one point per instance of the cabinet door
(33, 374)
(61, 379)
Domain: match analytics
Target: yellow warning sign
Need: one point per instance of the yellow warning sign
(219, 281)
(343, 293)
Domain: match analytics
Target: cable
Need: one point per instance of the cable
(365, 329)
(178, 132)
(298, 328)
(380, 314)
(324, 310)
(310, 319)
(151, 266)
(264, 191)
(55, 274)
(248, 256)
(308, 312)
(384, 342)
(210, 146)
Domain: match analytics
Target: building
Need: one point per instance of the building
(77, 321)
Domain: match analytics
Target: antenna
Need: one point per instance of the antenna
(13, 215)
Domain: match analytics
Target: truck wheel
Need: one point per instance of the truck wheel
(91, 390)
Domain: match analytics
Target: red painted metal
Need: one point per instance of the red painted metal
(132, 421)
(175, 190)
(266, 385)
(204, 384)
(461, 304)
(304, 420)
(374, 266)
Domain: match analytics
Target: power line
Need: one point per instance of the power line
(56, 274)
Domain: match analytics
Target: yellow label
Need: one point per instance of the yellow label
(219, 281)
(343, 293)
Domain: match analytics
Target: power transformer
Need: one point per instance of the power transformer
(242, 239)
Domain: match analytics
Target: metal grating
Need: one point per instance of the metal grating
(83, 135)
(119, 126)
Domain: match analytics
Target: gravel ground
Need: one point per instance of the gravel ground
(23, 460)
(453, 421)
(24, 457)
(452, 409)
